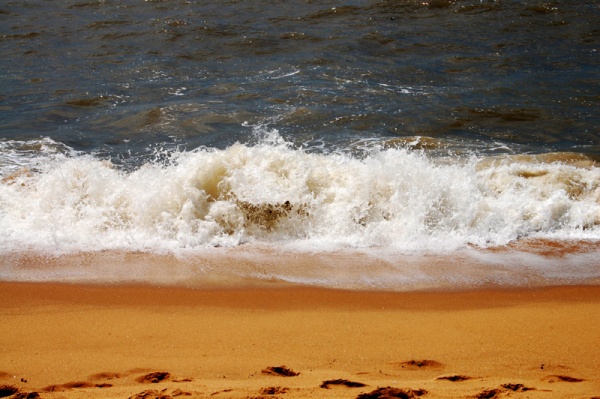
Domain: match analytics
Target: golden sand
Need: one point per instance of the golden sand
(78, 341)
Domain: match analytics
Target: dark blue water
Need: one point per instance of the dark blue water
(122, 78)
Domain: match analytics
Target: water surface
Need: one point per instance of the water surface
(391, 128)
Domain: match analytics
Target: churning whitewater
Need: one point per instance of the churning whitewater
(397, 199)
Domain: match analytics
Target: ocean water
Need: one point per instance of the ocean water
(361, 144)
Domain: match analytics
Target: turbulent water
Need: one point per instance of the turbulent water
(365, 144)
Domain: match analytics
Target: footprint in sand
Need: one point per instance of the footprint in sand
(151, 394)
(85, 384)
(419, 364)
(74, 385)
(24, 395)
(273, 390)
(154, 394)
(488, 394)
(179, 392)
(281, 371)
(7, 390)
(154, 377)
(390, 392)
(454, 378)
(223, 391)
(561, 378)
(182, 379)
(504, 388)
(107, 375)
(516, 387)
(341, 382)
(16, 393)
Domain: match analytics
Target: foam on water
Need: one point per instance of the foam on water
(260, 265)
(272, 193)
(399, 216)
(15, 156)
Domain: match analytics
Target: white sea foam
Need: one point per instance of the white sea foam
(396, 219)
(19, 155)
(394, 199)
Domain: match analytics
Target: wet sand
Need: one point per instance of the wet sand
(80, 341)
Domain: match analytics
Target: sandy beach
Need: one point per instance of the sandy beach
(78, 341)
(309, 199)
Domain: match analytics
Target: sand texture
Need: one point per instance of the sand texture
(78, 341)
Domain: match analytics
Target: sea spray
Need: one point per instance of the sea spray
(272, 193)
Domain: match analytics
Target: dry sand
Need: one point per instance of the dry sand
(78, 341)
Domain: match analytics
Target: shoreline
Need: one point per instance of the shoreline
(522, 264)
(272, 296)
(75, 340)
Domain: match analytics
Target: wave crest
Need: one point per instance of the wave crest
(393, 198)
